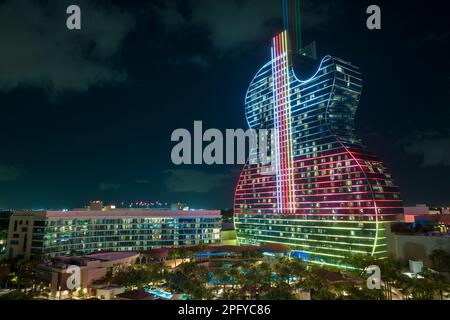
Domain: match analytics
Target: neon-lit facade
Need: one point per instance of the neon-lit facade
(330, 196)
(58, 233)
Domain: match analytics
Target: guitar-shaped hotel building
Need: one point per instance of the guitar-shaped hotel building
(329, 196)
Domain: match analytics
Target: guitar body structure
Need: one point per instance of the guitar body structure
(328, 197)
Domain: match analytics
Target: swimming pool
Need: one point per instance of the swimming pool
(160, 294)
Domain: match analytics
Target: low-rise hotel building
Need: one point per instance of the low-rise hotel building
(94, 267)
(61, 233)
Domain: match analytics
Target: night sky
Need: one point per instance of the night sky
(89, 114)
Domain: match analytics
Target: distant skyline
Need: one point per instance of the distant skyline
(88, 115)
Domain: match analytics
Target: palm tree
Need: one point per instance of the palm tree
(440, 259)
(251, 282)
(437, 281)
(355, 291)
(419, 289)
(282, 270)
(239, 275)
(281, 291)
(266, 276)
(5, 275)
(390, 270)
(325, 292)
(133, 277)
(311, 282)
(174, 254)
(191, 279)
(235, 274)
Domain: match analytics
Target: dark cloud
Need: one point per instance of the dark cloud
(232, 24)
(142, 181)
(170, 15)
(195, 181)
(39, 51)
(107, 186)
(236, 24)
(432, 146)
(8, 173)
(199, 60)
(433, 38)
(196, 60)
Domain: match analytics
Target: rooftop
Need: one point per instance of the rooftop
(112, 256)
(120, 213)
(136, 295)
(334, 276)
(64, 262)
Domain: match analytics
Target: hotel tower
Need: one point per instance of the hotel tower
(328, 197)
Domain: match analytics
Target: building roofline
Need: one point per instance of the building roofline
(120, 214)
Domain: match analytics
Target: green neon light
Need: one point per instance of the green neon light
(312, 240)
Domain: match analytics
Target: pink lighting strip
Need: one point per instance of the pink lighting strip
(283, 125)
